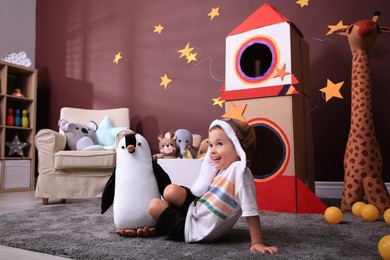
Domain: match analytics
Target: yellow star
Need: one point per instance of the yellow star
(281, 72)
(235, 111)
(214, 12)
(186, 51)
(303, 3)
(336, 27)
(332, 90)
(117, 58)
(218, 102)
(158, 28)
(165, 81)
(191, 57)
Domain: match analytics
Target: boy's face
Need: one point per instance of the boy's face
(222, 151)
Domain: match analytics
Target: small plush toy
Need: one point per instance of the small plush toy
(78, 136)
(136, 180)
(183, 139)
(167, 146)
(204, 145)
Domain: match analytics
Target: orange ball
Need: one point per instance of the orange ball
(333, 215)
(369, 212)
(386, 216)
(357, 207)
(384, 247)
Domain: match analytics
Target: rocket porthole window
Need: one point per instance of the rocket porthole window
(256, 60)
(272, 151)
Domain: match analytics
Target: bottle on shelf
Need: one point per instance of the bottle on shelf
(17, 118)
(25, 121)
(10, 116)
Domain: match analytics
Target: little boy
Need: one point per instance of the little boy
(223, 191)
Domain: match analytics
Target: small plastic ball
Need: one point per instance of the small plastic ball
(384, 247)
(369, 212)
(333, 215)
(356, 208)
(386, 216)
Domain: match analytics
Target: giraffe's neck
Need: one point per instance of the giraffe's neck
(361, 91)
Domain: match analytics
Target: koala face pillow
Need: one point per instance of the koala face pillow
(78, 136)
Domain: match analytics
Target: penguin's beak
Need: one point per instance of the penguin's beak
(130, 143)
(131, 148)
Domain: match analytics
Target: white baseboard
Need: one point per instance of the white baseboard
(332, 190)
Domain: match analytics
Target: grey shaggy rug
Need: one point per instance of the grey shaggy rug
(77, 230)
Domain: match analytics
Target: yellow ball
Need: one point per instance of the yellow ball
(386, 216)
(356, 208)
(384, 247)
(333, 215)
(369, 212)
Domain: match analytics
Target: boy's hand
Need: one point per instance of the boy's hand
(258, 247)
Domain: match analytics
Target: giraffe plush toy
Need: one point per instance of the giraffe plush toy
(362, 159)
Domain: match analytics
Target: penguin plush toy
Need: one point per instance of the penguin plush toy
(136, 180)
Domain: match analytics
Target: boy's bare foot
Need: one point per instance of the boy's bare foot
(127, 232)
(146, 232)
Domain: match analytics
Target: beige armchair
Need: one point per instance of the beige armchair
(75, 174)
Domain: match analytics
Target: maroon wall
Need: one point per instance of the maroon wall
(77, 42)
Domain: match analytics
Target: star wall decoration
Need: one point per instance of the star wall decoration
(214, 12)
(165, 81)
(338, 26)
(218, 102)
(281, 72)
(303, 3)
(191, 57)
(332, 90)
(158, 28)
(16, 146)
(117, 58)
(235, 112)
(185, 52)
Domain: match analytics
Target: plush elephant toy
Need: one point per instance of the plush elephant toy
(183, 139)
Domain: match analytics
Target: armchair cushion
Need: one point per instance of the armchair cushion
(103, 159)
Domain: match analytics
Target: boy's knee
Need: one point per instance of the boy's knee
(170, 191)
(156, 207)
(153, 204)
(175, 195)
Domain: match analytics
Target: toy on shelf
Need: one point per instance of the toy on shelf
(166, 145)
(25, 120)
(17, 118)
(363, 159)
(204, 145)
(10, 116)
(16, 147)
(17, 92)
(183, 139)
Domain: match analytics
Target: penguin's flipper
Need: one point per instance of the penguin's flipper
(162, 177)
(108, 193)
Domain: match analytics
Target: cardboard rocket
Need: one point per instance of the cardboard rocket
(266, 84)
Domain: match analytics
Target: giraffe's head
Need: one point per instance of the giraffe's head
(363, 34)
